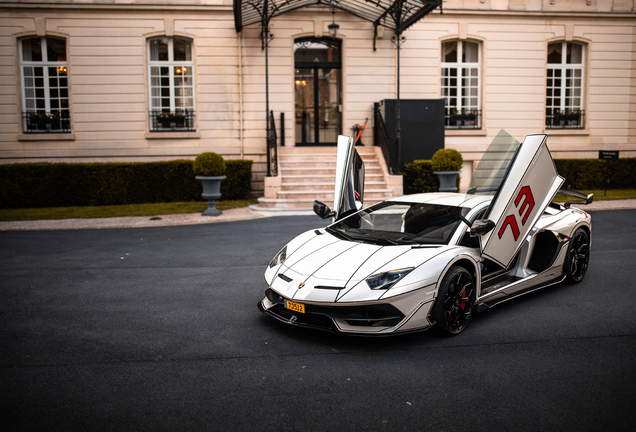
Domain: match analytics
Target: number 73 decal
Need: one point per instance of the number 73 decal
(526, 206)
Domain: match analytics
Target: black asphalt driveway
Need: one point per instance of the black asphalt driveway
(157, 329)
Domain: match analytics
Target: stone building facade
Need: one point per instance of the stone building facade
(126, 80)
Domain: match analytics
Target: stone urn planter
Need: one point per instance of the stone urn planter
(211, 193)
(447, 180)
(209, 169)
(446, 164)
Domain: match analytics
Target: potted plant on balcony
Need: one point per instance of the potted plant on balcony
(567, 115)
(463, 116)
(447, 164)
(209, 168)
(39, 121)
(168, 119)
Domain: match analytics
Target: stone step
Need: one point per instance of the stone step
(308, 174)
(327, 186)
(321, 159)
(273, 204)
(323, 155)
(322, 150)
(311, 171)
(325, 178)
(320, 195)
(322, 164)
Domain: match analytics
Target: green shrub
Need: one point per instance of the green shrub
(578, 173)
(447, 160)
(237, 185)
(209, 164)
(597, 174)
(418, 177)
(33, 185)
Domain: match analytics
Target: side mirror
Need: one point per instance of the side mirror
(323, 210)
(481, 227)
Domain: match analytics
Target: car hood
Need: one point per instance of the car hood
(326, 268)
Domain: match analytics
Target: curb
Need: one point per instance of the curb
(232, 215)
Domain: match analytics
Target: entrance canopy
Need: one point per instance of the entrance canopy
(394, 14)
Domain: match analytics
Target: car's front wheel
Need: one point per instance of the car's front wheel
(454, 304)
(578, 257)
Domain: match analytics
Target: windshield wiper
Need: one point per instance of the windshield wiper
(477, 190)
(339, 234)
(388, 240)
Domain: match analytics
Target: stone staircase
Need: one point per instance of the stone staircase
(308, 173)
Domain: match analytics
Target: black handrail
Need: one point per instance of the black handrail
(272, 150)
(382, 139)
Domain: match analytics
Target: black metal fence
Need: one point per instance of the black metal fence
(165, 121)
(52, 122)
(568, 119)
(463, 120)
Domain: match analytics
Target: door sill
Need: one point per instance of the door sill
(315, 145)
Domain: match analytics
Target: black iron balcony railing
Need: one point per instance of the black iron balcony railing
(465, 119)
(51, 122)
(567, 119)
(166, 121)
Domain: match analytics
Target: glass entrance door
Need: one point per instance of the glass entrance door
(318, 111)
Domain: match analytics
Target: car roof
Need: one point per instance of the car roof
(445, 198)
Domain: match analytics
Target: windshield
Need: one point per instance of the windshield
(401, 223)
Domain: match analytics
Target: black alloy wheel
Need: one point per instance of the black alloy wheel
(454, 305)
(578, 257)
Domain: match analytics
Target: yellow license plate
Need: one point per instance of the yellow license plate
(297, 307)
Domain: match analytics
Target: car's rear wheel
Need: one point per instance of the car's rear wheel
(578, 257)
(454, 304)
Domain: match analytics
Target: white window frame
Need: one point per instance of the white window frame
(45, 64)
(563, 68)
(171, 64)
(459, 66)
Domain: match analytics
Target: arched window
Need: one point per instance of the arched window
(44, 85)
(564, 87)
(461, 83)
(171, 79)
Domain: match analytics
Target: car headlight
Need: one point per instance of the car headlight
(387, 279)
(279, 258)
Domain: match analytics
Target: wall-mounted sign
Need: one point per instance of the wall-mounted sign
(608, 154)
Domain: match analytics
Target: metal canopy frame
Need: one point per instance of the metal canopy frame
(397, 15)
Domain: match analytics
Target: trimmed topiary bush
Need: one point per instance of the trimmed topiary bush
(447, 160)
(209, 164)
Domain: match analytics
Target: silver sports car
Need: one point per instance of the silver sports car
(434, 259)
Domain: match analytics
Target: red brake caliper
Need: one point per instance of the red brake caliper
(463, 296)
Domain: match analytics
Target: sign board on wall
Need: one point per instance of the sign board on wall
(608, 154)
